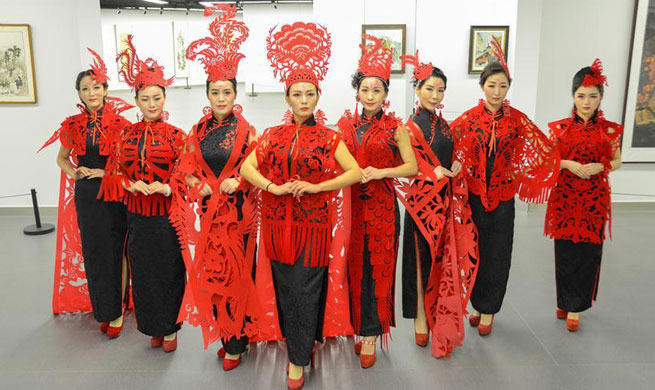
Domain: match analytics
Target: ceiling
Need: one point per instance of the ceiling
(181, 4)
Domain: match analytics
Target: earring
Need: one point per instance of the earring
(416, 107)
(440, 107)
(385, 104)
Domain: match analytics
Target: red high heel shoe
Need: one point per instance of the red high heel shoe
(421, 339)
(221, 353)
(114, 331)
(104, 326)
(572, 324)
(561, 314)
(156, 342)
(484, 330)
(365, 360)
(170, 346)
(231, 364)
(358, 347)
(474, 320)
(296, 384)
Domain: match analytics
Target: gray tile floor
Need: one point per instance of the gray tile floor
(529, 347)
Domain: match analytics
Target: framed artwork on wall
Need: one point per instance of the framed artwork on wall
(392, 35)
(17, 81)
(639, 111)
(480, 45)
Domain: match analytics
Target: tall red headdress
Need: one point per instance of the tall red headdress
(421, 70)
(299, 53)
(498, 52)
(218, 53)
(597, 78)
(140, 74)
(98, 68)
(376, 59)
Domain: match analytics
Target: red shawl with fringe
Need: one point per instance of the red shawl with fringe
(220, 295)
(579, 209)
(525, 160)
(284, 218)
(70, 293)
(447, 225)
(162, 145)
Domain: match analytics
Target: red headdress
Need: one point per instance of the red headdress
(299, 53)
(218, 53)
(422, 71)
(597, 78)
(376, 59)
(498, 52)
(140, 74)
(98, 68)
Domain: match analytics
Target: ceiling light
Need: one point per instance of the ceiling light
(156, 1)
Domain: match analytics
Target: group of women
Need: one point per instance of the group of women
(294, 234)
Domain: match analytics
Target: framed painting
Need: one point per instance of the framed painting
(639, 110)
(17, 81)
(393, 36)
(480, 45)
(180, 44)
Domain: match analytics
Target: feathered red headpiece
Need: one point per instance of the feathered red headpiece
(376, 59)
(98, 68)
(299, 53)
(597, 78)
(140, 74)
(218, 53)
(421, 70)
(498, 52)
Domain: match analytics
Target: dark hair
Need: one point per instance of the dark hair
(82, 75)
(358, 77)
(491, 69)
(579, 78)
(233, 81)
(436, 72)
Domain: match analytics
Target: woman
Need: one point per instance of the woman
(145, 156)
(579, 205)
(221, 266)
(439, 237)
(382, 147)
(502, 153)
(87, 139)
(295, 164)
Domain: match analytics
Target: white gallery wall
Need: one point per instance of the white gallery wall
(543, 56)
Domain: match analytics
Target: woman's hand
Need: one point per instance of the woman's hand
(139, 186)
(299, 187)
(206, 190)
(277, 190)
(371, 173)
(229, 186)
(456, 167)
(159, 188)
(593, 168)
(442, 172)
(577, 169)
(82, 173)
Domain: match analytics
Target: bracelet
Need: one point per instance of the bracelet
(268, 185)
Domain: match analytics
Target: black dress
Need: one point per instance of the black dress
(437, 134)
(102, 231)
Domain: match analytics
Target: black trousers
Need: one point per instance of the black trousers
(102, 227)
(300, 294)
(158, 273)
(577, 271)
(496, 237)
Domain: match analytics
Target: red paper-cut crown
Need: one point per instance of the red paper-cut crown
(597, 78)
(140, 74)
(218, 53)
(497, 51)
(376, 59)
(422, 70)
(98, 68)
(299, 53)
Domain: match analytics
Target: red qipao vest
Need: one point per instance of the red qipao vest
(525, 161)
(70, 293)
(578, 209)
(147, 151)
